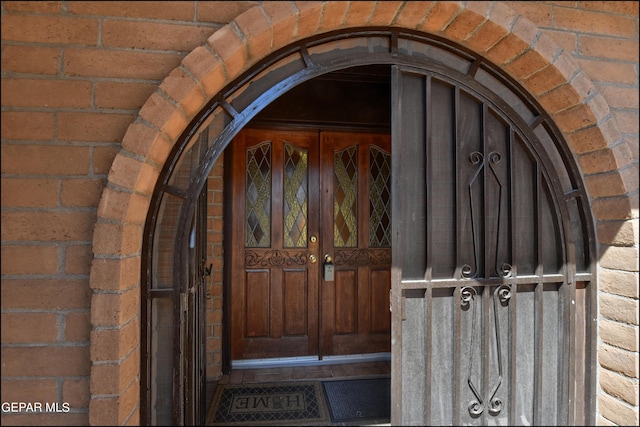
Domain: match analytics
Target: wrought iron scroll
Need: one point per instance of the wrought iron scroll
(501, 295)
(274, 258)
(478, 159)
(362, 257)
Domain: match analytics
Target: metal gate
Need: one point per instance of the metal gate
(487, 288)
(493, 271)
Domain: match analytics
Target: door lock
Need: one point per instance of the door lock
(328, 269)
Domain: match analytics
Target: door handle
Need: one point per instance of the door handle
(312, 259)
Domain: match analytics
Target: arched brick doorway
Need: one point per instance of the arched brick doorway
(494, 31)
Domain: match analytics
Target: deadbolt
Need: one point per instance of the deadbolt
(313, 238)
(312, 258)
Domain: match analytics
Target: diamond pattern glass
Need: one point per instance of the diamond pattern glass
(345, 192)
(258, 197)
(296, 179)
(379, 198)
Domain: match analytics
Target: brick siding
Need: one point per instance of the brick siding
(94, 94)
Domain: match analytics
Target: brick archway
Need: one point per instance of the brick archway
(492, 29)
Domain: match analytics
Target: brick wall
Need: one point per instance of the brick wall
(75, 76)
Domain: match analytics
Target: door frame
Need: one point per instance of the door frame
(236, 109)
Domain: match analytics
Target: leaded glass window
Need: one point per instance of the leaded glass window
(296, 191)
(258, 197)
(379, 198)
(345, 195)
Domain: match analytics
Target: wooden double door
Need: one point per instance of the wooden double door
(311, 252)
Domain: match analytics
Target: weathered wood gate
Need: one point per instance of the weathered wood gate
(486, 265)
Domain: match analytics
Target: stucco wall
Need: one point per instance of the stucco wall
(75, 78)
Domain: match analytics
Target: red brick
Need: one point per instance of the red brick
(485, 37)
(257, 31)
(134, 175)
(207, 69)
(114, 344)
(114, 239)
(47, 361)
(41, 294)
(164, 115)
(37, 226)
(32, 6)
(128, 207)
(514, 44)
(111, 310)
(539, 13)
(582, 21)
(310, 13)
(385, 12)
(81, 192)
(29, 391)
(608, 47)
(76, 392)
(119, 63)
(333, 15)
(182, 11)
(359, 12)
(627, 121)
(575, 118)
(29, 192)
(614, 208)
(141, 139)
(622, 7)
(560, 98)
(114, 378)
(606, 184)
(123, 95)
(597, 161)
(103, 158)
(24, 259)
(440, 15)
(567, 41)
(283, 22)
(605, 71)
(46, 418)
(115, 274)
(29, 328)
(27, 125)
(526, 65)
(153, 35)
(46, 93)
(77, 327)
(185, 91)
(31, 59)
(413, 13)
(222, 12)
(78, 259)
(465, 24)
(45, 160)
(94, 127)
(620, 97)
(594, 138)
(49, 29)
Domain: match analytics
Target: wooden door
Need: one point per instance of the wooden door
(274, 289)
(298, 195)
(356, 234)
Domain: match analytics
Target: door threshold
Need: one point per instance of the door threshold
(308, 361)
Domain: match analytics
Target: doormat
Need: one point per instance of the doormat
(359, 400)
(269, 403)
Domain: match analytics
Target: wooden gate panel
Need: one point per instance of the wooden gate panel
(486, 287)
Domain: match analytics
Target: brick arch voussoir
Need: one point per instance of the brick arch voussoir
(492, 29)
